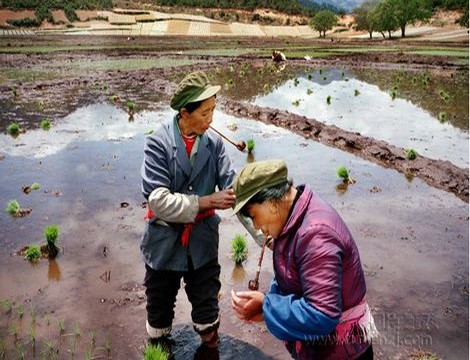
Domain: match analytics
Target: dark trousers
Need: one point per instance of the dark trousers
(368, 355)
(202, 288)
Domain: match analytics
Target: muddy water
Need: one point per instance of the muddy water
(362, 106)
(413, 241)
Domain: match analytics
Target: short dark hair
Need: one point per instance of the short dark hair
(275, 192)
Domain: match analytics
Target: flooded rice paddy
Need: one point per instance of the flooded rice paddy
(413, 238)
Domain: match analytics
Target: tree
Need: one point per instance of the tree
(463, 21)
(365, 17)
(323, 20)
(408, 12)
(386, 20)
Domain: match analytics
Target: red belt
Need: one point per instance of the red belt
(188, 226)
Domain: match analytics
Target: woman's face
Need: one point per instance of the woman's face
(266, 217)
(200, 119)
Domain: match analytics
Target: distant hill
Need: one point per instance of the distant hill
(346, 5)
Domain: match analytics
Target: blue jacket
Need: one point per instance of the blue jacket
(166, 164)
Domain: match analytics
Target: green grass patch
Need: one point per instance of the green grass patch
(71, 48)
(132, 64)
(221, 52)
(313, 54)
(27, 75)
(462, 53)
(361, 49)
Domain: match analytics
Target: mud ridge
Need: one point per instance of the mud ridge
(437, 173)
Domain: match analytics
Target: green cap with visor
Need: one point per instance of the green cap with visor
(194, 87)
(255, 177)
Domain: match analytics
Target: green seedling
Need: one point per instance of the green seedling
(49, 349)
(92, 337)
(19, 350)
(444, 96)
(328, 100)
(51, 233)
(13, 330)
(309, 91)
(148, 132)
(77, 331)
(343, 173)
(320, 71)
(32, 313)
(41, 105)
(250, 145)
(239, 249)
(296, 82)
(13, 129)
(325, 78)
(131, 105)
(45, 124)
(115, 98)
(425, 79)
(13, 208)
(14, 91)
(2, 349)
(242, 73)
(309, 76)
(296, 102)
(107, 344)
(266, 88)
(35, 186)
(60, 323)
(411, 154)
(152, 352)
(7, 304)
(33, 253)
(442, 116)
(32, 334)
(356, 92)
(20, 310)
(394, 94)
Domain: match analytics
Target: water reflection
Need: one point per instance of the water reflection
(361, 107)
(97, 122)
(238, 274)
(53, 272)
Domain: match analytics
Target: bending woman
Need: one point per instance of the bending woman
(316, 303)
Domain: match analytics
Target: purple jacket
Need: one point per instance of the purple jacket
(318, 276)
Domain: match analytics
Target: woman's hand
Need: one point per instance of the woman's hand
(223, 199)
(248, 305)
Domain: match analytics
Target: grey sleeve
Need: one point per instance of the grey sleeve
(177, 207)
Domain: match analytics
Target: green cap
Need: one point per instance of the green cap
(255, 177)
(194, 87)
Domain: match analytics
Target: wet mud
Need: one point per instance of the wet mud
(413, 237)
(437, 173)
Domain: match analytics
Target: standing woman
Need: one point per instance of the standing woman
(186, 175)
(316, 303)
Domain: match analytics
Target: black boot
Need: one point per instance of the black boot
(209, 349)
